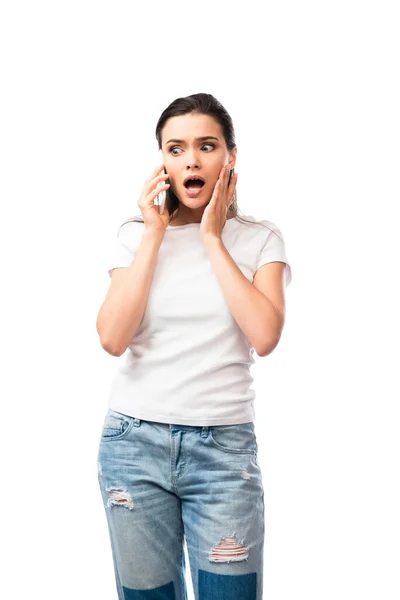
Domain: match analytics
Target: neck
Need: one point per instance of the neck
(180, 219)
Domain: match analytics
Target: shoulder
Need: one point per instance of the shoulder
(263, 227)
(130, 228)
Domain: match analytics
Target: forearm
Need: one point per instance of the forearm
(254, 313)
(121, 313)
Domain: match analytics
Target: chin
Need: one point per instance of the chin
(195, 203)
(201, 200)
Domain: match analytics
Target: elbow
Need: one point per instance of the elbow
(268, 348)
(106, 344)
(268, 345)
(111, 351)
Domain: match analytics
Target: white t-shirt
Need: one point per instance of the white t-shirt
(189, 361)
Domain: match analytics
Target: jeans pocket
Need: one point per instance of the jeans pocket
(116, 425)
(234, 439)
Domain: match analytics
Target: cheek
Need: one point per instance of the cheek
(172, 172)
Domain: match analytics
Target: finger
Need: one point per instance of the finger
(233, 182)
(153, 193)
(155, 172)
(159, 179)
(231, 188)
(157, 184)
(215, 193)
(226, 178)
(161, 176)
(222, 175)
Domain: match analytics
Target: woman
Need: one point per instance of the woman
(178, 451)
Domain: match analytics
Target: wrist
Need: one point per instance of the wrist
(156, 235)
(212, 241)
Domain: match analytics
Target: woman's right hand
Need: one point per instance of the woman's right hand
(151, 212)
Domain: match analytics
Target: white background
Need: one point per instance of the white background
(313, 90)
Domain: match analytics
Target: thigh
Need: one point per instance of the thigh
(223, 514)
(144, 519)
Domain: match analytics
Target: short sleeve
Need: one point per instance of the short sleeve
(125, 246)
(273, 249)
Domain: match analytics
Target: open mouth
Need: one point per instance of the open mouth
(193, 184)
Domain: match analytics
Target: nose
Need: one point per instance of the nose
(192, 161)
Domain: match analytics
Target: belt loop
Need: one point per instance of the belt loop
(204, 431)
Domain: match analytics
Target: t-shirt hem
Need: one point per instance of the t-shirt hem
(148, 416)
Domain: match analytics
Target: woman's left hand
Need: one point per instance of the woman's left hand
(214, 216)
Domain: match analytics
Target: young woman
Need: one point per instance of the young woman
(194, 291)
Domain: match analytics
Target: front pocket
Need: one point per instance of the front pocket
(116, 425)
(234, 439)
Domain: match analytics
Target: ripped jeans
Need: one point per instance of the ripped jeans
(162, 484)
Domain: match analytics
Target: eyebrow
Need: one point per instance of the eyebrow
(199, 139)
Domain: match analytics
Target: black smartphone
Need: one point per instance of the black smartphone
(231, 173)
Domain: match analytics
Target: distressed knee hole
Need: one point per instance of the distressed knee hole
(229, 549)
(119, 496)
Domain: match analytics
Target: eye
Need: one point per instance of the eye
(176, 148)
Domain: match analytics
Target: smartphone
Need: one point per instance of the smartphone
(161, 197)
(232, 171)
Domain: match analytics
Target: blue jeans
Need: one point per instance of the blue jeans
(163, 483)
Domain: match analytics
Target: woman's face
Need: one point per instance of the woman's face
(184, 155)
